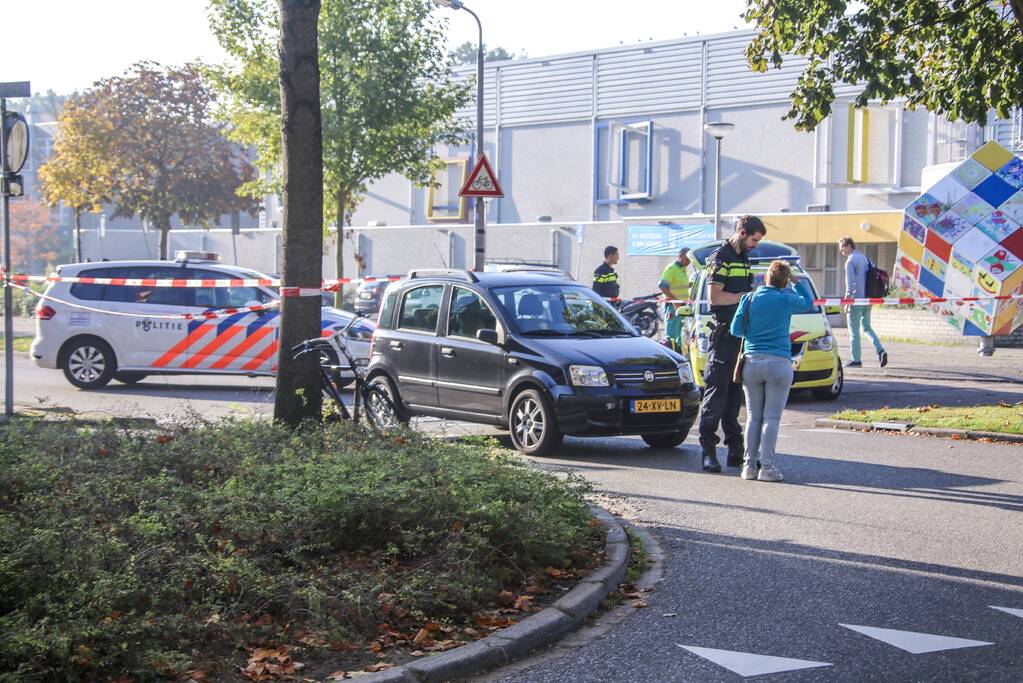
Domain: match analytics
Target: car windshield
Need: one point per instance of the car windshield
(805, 286)
(560, 310)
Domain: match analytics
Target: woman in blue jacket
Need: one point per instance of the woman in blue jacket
(767, 374)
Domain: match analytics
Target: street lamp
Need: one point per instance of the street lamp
(480, 237)
(718, 130)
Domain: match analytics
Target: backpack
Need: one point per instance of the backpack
(877, 282)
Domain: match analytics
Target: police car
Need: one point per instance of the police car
(98, 332)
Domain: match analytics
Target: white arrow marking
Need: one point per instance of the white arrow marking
(748, 664)
(1009, 610)
(913, 642)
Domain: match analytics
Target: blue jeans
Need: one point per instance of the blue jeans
(766, 379)
(861, 315)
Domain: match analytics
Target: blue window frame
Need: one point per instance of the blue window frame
(623, 158)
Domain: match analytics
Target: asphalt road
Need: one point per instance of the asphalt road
(871, 531)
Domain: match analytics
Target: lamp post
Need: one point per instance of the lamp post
(480, 237)
(718, 130)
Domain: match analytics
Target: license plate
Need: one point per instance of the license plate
(656, 405)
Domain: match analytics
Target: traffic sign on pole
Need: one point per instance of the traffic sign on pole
(482, 182)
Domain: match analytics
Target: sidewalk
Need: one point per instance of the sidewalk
(928, 361)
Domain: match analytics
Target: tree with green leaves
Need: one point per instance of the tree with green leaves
(960, 58)
(386, 92)
(466, 53)
(298, 379)
(150, 138)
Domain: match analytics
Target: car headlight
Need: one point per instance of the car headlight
(825, 343)
(587, 376)
(685, 374)
(702, 344)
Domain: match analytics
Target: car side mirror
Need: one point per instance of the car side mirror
(833, 310)
(488, 336)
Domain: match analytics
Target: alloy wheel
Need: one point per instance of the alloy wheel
(529, 422)
(86, 363)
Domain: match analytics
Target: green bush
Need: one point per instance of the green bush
(144, 554)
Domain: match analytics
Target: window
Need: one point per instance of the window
(93, 292)
(442, 200)
(420, 308)
(623, 156)
(225, 297)
(559, 310)
(386, 318)
(165, 296)
(469, 314)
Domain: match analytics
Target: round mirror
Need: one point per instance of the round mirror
(15, 142)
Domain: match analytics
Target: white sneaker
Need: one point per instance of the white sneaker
(749, 471)
(769, 473)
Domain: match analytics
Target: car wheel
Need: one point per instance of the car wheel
(89, 363)
(831, 393)
(647, 324)
(668, 440)
(379, 410)
(534, 430)
(392, 394)
(130, 377)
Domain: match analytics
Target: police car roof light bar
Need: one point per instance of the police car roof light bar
(186, 255)
(466, 275)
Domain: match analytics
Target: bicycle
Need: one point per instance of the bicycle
(371, 402)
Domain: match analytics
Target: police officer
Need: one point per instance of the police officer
(605, 279)
(729, 277)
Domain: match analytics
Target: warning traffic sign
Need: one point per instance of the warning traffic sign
(482, 182)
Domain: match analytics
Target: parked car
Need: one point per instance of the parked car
(93, 347)
(540, 355)
(818, 366)
(368, 295)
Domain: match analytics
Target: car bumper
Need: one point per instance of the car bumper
(42, 355)
(608, 412)
(812, 372)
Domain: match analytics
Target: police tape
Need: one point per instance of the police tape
(875, 301)
(204, 315)
(326, 286)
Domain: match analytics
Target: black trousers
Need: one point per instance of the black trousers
(722, 398)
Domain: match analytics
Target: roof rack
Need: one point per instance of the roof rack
(466, 275)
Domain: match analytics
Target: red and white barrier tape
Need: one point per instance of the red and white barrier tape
(205, 315)
(327, 286)
(887, 301)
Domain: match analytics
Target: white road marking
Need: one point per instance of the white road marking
(913, 642)
(748, 664)
(1009, 610)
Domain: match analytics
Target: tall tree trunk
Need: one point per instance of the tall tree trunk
(298, 380)
(339, 254)
(164, 228)
(78, 235)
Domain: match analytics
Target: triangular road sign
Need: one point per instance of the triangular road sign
(482, 182)
(749, 664)
(913, 642)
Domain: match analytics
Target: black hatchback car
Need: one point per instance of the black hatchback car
(537, 354)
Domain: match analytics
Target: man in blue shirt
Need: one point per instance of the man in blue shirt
(856, 266)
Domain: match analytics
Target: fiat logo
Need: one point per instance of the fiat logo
(648, 376)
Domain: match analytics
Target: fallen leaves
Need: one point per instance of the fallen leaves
(266, 664)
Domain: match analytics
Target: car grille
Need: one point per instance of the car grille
(811, 375)
(635, 379)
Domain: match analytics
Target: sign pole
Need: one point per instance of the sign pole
(7, 176)
(8, 294)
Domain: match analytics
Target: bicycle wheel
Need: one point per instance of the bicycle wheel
(378, 410)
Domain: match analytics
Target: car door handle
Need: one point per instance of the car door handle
(396, 345)
(446, 352)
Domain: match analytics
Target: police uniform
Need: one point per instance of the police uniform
(722, 397)
(605, 281)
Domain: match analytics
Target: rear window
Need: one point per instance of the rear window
(166, 296)
(386, 318)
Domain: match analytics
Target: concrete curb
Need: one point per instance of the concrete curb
(542, 628)
(922, 431)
